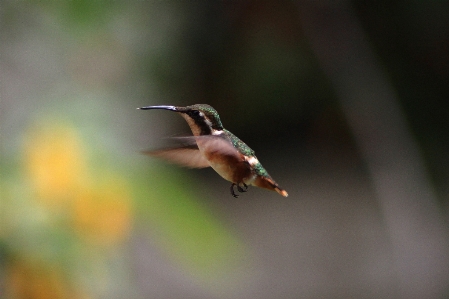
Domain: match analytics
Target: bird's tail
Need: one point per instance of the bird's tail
(269, 183)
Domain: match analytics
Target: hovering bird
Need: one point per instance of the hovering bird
(214, 146)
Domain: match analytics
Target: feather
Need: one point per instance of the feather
(186, 156)
(211, 144)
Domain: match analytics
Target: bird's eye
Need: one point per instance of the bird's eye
(195, 113)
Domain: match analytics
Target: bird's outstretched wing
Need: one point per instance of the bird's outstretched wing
(219, 144)
(187, 156)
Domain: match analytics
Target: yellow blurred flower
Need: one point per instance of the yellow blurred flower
(59, 173)
(54, 161)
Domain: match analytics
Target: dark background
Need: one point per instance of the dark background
(344, 102)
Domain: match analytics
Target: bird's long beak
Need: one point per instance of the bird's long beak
(171, 108)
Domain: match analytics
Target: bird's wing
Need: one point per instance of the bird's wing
(211, 143)
(187, 156)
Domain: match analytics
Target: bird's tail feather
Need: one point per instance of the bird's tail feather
(268, 183)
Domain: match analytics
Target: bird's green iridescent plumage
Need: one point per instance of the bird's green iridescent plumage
(238, 144)
(211, 114)
(260, 171)
(247, 151)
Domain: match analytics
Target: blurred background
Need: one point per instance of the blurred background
(344, 102)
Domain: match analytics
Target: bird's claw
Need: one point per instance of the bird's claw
(240, 189)
(232, 190)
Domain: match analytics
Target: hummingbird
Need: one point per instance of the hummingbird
(213, 146)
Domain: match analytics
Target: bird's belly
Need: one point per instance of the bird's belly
(225, 171)
(233, 171)
(230, 165)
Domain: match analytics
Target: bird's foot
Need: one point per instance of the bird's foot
(240, 189)
(232, 190)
